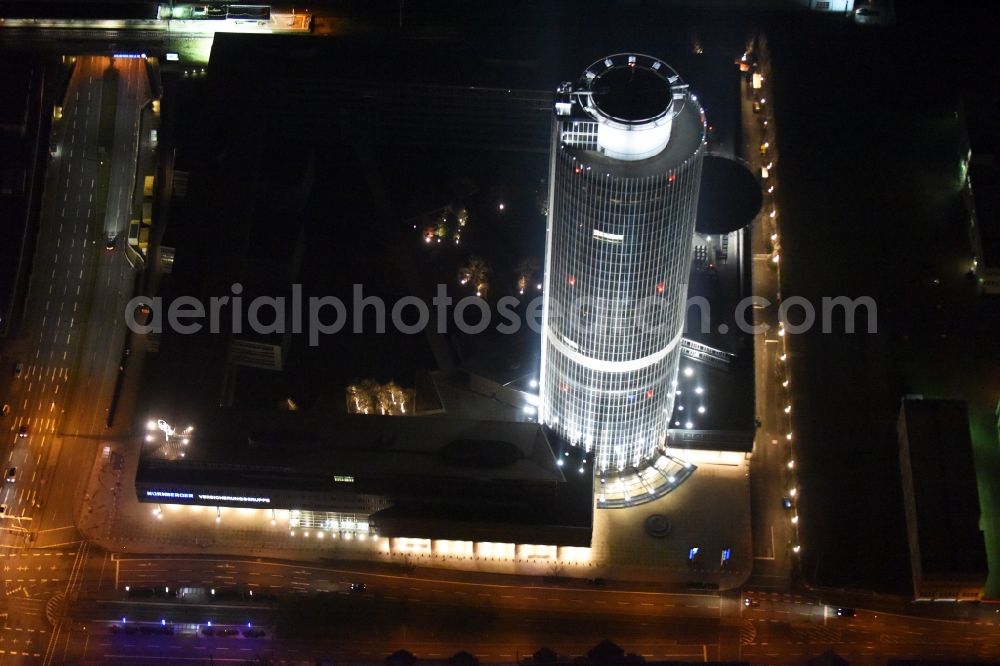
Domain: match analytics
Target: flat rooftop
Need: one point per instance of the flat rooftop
(315, 446)
(424, 477)
(718, 403)
(938, 449)
(985, 178)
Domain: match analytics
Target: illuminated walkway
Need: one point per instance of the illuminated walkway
(632, 487)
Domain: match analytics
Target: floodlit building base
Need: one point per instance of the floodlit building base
(699, 457)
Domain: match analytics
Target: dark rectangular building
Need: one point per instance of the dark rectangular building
(415, 477)
(947, 549)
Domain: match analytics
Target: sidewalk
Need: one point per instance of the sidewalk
(711, 509)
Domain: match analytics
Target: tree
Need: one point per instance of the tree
(605, 652)
(527, 273)
(463, 658)
(477, 274)
(544, 655)
(401, 658)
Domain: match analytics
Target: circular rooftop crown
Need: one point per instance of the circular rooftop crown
(632, 94)
(631, 88)
(634, 98)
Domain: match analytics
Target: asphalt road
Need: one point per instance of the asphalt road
(770, 476)
(68, 346)
(430, 615)
(435, 616)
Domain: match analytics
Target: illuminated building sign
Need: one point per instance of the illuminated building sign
(235, 498)
(169, 494)
(131, 56)
(343, 479)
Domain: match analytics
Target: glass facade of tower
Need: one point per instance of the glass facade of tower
(626, 159)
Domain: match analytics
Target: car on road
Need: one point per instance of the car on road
(111, 243)
(845, 612)
(786, 502)
(358, 588)
(11, 475)
(22, 431)
(750, 602)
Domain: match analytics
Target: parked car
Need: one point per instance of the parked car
(846, 612)
(358, 588)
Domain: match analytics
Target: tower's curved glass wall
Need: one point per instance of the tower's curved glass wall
(626, 161)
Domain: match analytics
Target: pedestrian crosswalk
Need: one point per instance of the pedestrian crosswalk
(818, 634)
(748, 632)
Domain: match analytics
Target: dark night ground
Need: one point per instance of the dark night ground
(869, 160)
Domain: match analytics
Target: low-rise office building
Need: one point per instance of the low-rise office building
(947, 549)
(413, 477)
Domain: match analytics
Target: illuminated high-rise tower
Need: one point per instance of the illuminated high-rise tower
(627, 148)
